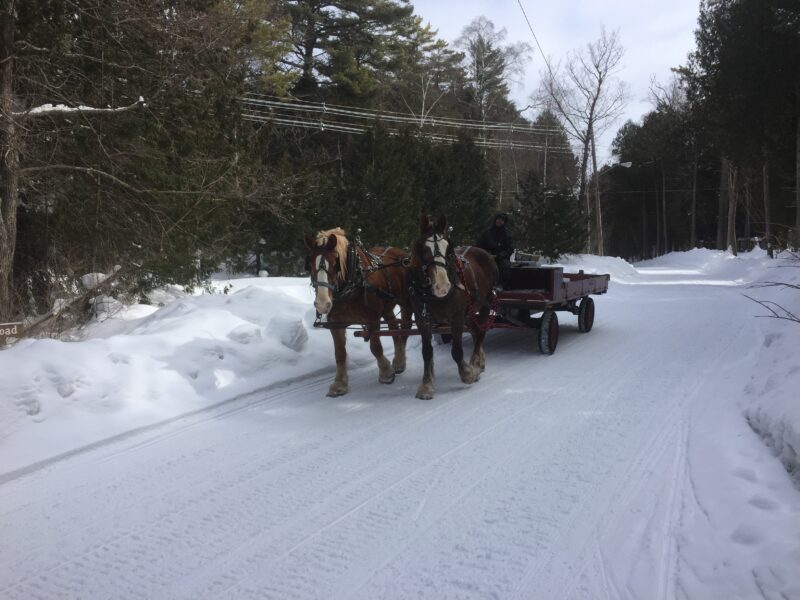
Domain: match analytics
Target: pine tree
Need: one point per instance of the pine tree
(343, 47)
(549, 222)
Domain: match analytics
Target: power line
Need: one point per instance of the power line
(278, 103)
(311, 115)
(538, 45)
(336, 127)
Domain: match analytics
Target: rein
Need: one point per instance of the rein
(376, 264)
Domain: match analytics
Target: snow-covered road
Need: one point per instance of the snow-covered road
(579, 475)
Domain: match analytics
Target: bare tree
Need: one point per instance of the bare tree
(586, 94)
(490, 63)
(671, 95)
(432, 72)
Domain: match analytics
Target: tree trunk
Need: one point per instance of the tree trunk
(732, 174)
(658, 221)
(583, 192)
(797, 183)
(9, 161)
(664, 208)
(767, 215)
(644, 226)
(723, 207)
(598, 208)
(544, 170)
(693, 232)
(500, 169)
(748, 207)
(307, 82)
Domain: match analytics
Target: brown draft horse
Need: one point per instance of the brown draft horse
(448, 287)
(358, 286)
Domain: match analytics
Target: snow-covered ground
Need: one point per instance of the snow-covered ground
(189, 451)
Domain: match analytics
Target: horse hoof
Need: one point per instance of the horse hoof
(387, 380)
(425, 393)
(336, 392)
(399, 369)
(471, 377)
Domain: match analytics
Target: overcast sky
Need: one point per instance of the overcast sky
(656, 35)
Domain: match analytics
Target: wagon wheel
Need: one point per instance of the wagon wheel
(586, 315)
(548, 332)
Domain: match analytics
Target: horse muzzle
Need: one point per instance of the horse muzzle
(440, 290)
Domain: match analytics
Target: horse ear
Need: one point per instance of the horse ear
(310, 241)
(331, 244)
(441, 225)
(424, 223)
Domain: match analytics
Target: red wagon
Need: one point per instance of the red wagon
(535, 294)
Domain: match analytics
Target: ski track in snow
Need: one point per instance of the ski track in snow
(519, 486)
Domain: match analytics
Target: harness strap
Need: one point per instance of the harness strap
(381, 293)
(357, 273)
(475, 296)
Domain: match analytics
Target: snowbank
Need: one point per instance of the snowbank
(143, 364)
(771, 399)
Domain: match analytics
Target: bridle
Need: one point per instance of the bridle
(439, 259)
(332, 272)
(437, 254)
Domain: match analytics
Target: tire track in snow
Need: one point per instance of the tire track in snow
(177, 511)
(380, 523)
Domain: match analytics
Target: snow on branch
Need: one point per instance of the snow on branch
(50, 109)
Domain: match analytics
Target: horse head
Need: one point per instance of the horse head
(432, 256)
(327, 259)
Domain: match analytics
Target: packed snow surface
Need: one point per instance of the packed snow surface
(186, 449)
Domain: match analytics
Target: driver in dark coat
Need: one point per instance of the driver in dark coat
(497, 242)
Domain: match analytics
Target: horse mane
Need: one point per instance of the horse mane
(341, 247)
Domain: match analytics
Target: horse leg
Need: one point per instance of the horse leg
(339, 385)
(425, 390)
(465, 371)
(385, 370)
(478, 360)
(399, 361)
